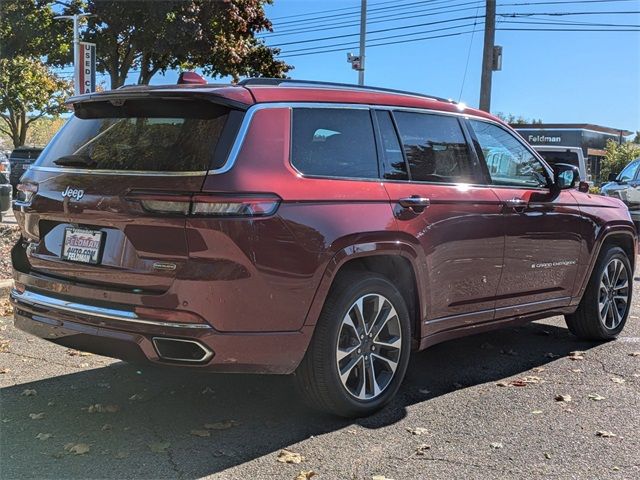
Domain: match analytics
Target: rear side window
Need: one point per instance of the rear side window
(172, 136)
(436, 149)
(334, 142)
(395, 168)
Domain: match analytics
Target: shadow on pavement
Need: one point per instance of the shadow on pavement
(168, 404)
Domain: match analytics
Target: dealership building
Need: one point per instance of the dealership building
(591, 138)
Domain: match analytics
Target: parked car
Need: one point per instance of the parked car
(626, 186)
(571, 155)
(21, 159)
(325, 230)
(5, 186)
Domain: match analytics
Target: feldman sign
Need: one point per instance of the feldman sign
(86, 74)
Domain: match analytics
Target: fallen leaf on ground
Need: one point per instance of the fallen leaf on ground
(577, 355)
(595, 397)
(207, 390)
(547, 456)
(634, 354)
(4, 346)
(496, 445)
(417, 430)
(28, 393)
(77, 448)
(106, 427)
(518, 383)
(512, 353)
(135, 396)
(100, 408)
(563, 398)
(77, 353)
(287, 456)
(223, 425)
(576, 370)
(537, 412)
(538, 369)
(422, 449)
(551, 355)
(159, 447)
(380, 477)
(605, 434)
(43, 436)
(305, 475)
(502, 384)
(84, 365)
(121, 455)
(4, 370)
(424, 391)
(200, 433)
(617, 380)
(36, 416)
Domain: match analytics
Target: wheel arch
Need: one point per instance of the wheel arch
(623, 236)
(395, 260)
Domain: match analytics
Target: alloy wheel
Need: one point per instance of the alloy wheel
(613, 296)
(369, 347)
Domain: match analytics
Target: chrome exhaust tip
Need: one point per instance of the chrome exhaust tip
(180, 350)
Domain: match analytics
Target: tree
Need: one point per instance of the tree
(510, 118)
(28, 91)
(617, 157)
(636, 139)
(151, 37)
(27, 28)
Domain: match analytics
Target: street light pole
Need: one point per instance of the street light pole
(363, 38)
(76, 46)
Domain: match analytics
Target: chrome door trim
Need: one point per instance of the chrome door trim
(39, 300)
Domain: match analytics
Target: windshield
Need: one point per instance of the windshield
(552, 158)
(141, 135)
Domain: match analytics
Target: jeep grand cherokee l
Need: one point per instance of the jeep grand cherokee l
(325, 230)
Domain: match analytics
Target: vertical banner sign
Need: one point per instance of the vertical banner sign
(86, 68)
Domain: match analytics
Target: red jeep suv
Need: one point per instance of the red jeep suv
(326, 230)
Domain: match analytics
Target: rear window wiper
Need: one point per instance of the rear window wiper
(83, 161)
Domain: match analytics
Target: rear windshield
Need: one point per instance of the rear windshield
(172, 136)
(561, 157)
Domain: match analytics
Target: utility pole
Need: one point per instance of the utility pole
(363, 39)
(487, 55)
(76, 47)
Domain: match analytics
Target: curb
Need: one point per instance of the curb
(5, 287)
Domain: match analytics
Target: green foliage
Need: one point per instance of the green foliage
(29, 91)
(27, 28)
(513, 119)
(617, 157)
(594, 190)
(151, 37)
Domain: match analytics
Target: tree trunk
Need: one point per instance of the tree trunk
(22, 129)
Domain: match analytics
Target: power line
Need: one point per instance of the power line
(374, 19)
(404, 27)
(466, 65)
(327, 11)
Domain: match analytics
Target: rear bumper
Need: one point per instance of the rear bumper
(120, 333)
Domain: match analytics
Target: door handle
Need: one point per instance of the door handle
(516, 204)
(415, 203)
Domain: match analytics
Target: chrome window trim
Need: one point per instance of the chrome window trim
(39, 300)
(146, 173)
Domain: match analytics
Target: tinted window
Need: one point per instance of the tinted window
(151, 136)
(395, 168)
(334, 142)
(628, 173)
(508, 161)
(435, 148)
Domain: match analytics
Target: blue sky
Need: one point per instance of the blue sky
(585, 77)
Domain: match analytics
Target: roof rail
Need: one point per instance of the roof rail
(274, 82)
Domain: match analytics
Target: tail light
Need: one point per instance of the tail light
(5, 167)
(215, 205)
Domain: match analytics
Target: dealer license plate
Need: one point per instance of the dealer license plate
(82, 245)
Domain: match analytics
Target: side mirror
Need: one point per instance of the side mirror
(612, 177)
(565, 176)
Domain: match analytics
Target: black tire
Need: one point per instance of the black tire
(317, 377)
(586, 323)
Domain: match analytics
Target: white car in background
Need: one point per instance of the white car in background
(571, 155)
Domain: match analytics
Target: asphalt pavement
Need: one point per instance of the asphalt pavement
(514, 403)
